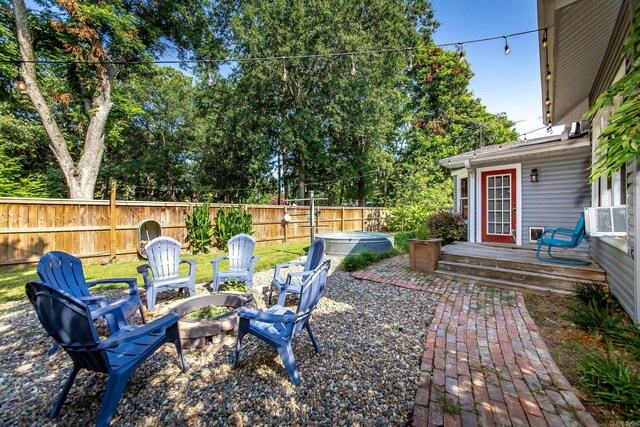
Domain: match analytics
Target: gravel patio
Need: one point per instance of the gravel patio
(372, 338)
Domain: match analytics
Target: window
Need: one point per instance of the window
(464, 197)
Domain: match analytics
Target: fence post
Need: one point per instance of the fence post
(112, 216)
(363, 218)
(342, 220)
(284, 223)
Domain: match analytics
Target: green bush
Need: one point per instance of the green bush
(593, 291)
(448, 227)
(230, 222)
(595, 318)
(402, 241)
(613, 380)
(364, 259)
(423, 233)
(199, 229)
(407, 218)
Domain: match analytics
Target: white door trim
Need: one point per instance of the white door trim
(478, 202)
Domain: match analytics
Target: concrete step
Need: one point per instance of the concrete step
(504, 284)
(528, 264)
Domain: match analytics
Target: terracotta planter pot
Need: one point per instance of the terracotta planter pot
(424, 254)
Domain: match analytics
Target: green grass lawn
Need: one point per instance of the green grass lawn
(12, 282)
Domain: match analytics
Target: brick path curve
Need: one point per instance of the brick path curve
(484, 361)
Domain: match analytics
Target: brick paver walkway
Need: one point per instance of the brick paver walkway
(484, 361)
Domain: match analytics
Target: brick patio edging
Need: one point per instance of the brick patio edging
(484, 362)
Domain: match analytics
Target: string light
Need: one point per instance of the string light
(548, 114)
(547, 101)
(209, 79)
(21, 82)
(460, 50)
(285, 76)
(548, 73)
(410, 66)
(544, 39)
(507, 49)
(353, 67)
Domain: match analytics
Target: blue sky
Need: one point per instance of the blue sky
(504, 83)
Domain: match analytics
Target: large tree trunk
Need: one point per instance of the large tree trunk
(81, 177)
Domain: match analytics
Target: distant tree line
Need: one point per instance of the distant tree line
(369, 128)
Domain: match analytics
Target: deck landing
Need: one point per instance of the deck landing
(506, 266)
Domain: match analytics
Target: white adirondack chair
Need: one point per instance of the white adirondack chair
(241, 262)
(163, 254)
(292, 282)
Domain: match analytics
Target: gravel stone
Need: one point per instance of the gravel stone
(371, 335)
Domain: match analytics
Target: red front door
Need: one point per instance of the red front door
(499, 206)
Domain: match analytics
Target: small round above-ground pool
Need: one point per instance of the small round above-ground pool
(353, 242)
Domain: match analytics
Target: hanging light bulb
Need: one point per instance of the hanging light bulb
(544, 39)
(285, 76)
(507, 49)
(410, 66)
(22, 83)
(548, 114)
(547, 101)
(548, 73)
(460, 52)
(353, 67)
(209, 78)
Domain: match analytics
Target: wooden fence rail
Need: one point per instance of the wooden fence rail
(96, 230)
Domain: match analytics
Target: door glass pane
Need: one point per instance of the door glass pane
(498, 215)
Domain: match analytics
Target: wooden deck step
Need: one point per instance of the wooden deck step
(527, 263)
(503, 283)
(508, 275)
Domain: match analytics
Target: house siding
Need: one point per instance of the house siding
(562, 193)
(619, 267)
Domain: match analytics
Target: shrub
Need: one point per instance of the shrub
(593, 291)
(364, 259)
(423, 233)
(230, 222)
(613, 380)
(402, 241)
(199, 229)
(448, 227)
(407, 218)
(594, 318)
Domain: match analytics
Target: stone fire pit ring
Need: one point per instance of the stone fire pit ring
(211, 334)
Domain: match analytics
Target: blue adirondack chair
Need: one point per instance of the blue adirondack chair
(70, 322)
(292, 283)
(163, 254)
(241, 262)
(64, 272)
(575, 238)
(279, 326)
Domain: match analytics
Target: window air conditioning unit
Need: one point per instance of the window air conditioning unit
(606, 221)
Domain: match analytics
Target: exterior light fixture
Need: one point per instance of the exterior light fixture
(545, 43)
(534, 175)
(460, 50)
(507, 49)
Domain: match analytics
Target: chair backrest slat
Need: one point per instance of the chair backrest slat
(315, 255)
(578, 233)
(64, 272)
(310, 295)
(163, 255)
(241, 248)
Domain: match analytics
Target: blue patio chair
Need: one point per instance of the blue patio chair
(241, 262)
(575, 238)
(64, 272)
(292, 283)
(70, 322)
(163, 254)
(279, 326)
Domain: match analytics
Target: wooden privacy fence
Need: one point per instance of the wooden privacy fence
(98, 230)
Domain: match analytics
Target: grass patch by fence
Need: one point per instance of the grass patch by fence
(12, 282)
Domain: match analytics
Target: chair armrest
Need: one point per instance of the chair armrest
(548, 230)
(191, 262)
(132, 282)
(293, 274)
(102, 311)
(102, 301)
(144, 270)
(279, 267)
(569, 231)
(161, 324)
(216, 260)
(255, 258)
(247, 313)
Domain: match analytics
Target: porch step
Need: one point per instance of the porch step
(514, 276)
(528, 263)
(503, 283)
